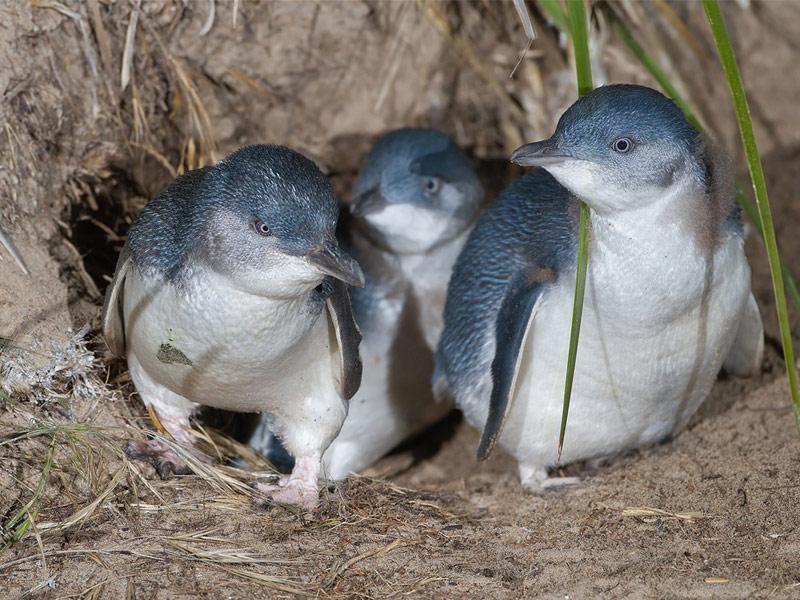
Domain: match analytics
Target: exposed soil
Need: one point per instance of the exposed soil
(712, 513)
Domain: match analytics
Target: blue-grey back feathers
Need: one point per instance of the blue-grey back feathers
(167, 226)
(532, 225)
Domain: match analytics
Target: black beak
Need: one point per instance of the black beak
(369, 202)
(539, 154)
(330, 259)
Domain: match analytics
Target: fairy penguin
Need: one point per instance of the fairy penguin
(667, 300)
(230, 292)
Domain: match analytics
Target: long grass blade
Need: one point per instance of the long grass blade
(553, 10)
(583, 68)
(729, 65)
(580, 43)
(752, 214)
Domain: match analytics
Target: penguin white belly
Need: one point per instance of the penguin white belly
(227, 349)
(395, 400)
(370, 429)
(656, 328)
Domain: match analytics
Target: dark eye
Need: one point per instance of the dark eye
(432, 185)
(262, 228)
(622, 145)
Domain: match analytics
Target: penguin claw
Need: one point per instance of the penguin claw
(165, 460)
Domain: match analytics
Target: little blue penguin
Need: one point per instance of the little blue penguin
(413, 204)
(667, 301)
(230, 292)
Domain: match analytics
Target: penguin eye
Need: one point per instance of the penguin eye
(622, 145)
(432, 185)
(262, 228)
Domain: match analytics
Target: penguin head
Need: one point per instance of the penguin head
(416, 190)
(619, 147)
(265, 219)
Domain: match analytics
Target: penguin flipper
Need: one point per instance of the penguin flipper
(111, 319)
(348, 338)
(745, 356)
(511, 330)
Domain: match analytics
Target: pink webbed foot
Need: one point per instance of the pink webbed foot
(161, 455)
(301, 488)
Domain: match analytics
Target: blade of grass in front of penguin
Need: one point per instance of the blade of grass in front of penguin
(752, 214)
(731, 68)
(650, 64)
(583, 69)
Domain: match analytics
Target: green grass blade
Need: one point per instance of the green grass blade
(580, 43)
(553, 10)
(755, 219)
(583, 68)
(729, 65)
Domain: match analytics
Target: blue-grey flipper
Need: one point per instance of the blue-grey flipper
(348, 336)
(111, 319)
(511, 330)
(745, 356)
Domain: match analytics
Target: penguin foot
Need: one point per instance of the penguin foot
(301, 488)
(552, 483)
(535, 479)
(160, 455)
(296, 495)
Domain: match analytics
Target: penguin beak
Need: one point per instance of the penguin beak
(367, 203)
(539, 154)
(330, 259)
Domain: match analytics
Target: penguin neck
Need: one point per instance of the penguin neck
(197, 279)
(673, 221)
(407, 229)
(652, 253)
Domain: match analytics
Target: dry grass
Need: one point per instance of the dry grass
(72, 479)
(64, 478)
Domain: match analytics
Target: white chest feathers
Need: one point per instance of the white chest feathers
(395, 400)
(413, 229)
(218, 346)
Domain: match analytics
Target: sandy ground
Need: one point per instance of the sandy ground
(710, 514)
